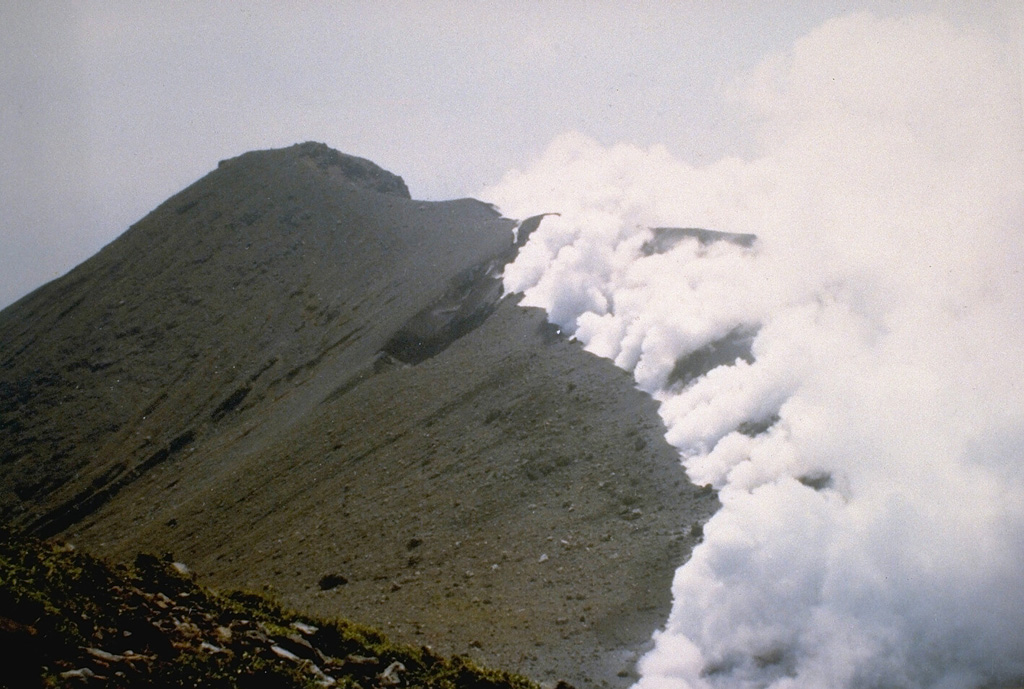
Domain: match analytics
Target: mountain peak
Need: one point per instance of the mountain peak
(291, 375)
(359, 171)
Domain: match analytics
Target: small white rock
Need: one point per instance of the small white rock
(283, 653)
(390, 676)
(306, 629)
(104, 655)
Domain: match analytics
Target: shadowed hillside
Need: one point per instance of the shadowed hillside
(291, 375)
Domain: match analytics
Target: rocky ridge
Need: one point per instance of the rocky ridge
(291, 374)
(72, 620)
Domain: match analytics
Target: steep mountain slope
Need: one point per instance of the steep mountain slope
(292, 375)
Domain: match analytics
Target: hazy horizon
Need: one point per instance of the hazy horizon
(110, 108)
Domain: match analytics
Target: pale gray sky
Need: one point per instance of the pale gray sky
(107, 108)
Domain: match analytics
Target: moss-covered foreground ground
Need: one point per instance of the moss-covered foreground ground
(69, 619)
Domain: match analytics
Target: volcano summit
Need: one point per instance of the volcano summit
(294, 377)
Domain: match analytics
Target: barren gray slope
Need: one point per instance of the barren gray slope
(211, 384)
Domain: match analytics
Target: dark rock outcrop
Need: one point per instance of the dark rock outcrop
(667, 237)
(735, 345)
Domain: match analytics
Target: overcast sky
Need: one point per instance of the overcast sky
(107, 108)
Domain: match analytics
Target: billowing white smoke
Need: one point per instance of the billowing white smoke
(873, 535)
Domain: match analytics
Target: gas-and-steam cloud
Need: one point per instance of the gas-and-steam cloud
(869, 451)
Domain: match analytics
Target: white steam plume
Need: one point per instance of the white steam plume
(869, 451)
